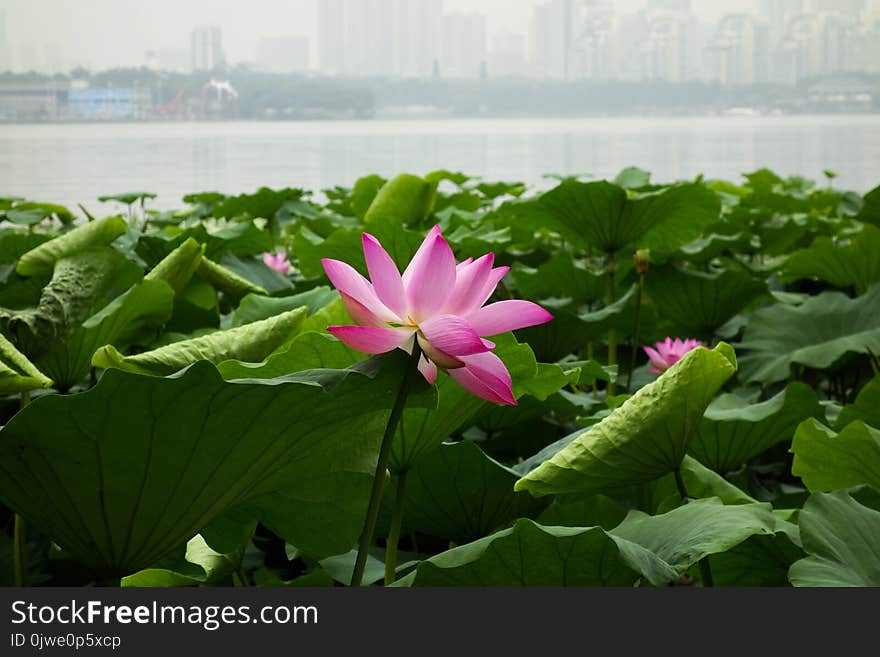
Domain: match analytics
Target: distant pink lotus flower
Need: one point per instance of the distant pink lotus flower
(669, 352)
(439, 303)
(278, 262)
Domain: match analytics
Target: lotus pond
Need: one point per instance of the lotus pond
(444, 381)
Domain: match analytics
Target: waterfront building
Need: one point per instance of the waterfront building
(507, 56)
(464, 51)
(286, 54)
(550, 41)
(206, 48)
(379, 37)
(739, 52)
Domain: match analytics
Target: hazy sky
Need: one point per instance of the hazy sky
(106, 33)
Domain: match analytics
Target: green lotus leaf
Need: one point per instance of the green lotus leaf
(700, 482)
(81, 284)
(265, 203)
(95, 233)
(133, 318)
(250, 343)
(842, 539)
(256, 271)
(866, 406)
(567, 333)
(643, 439)
(829, 461)
(196, 309)
(308, 351)
(128, 198)
(760, 560)
(494, 190)
(714, 244)
(849, 262)
(122, 475)
(695, 304)
(178, 267)
(459, 493)
(560, 278)
(403, 200)
(733, 431)
(227, 281)
(700, 528)
(870, 212)
(552, 377)
(15, 242)
(364, 193)
(601, 216)
(816, 334)
(255, 307)
(346, 244)
(24, 217)
(531, 555)
(633, 178)
(579, 511)
(29, 213)
(199, 565)
(17, 373)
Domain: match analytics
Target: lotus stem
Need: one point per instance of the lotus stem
(357, 575)
(20, 552)
(612, 334)
(19, 532)
(394, 533)
(591, 356)
(705, 568)
(875, 362)
(636, 331)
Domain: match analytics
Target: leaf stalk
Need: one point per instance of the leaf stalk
(369, 530)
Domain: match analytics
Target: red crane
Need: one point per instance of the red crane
(171, 106)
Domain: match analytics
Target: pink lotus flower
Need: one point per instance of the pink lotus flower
(278, 262)
(669, 352)
(439, 303)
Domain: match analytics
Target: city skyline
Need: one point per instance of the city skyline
(119, 32)
(672, 40)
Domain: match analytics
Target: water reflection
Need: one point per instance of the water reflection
(74, 163)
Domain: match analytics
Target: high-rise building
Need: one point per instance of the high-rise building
(331, 37)
(667, 49)
(53, 59)
(379, 44)
(683, 6)
(551, 40)
(286, 54)
(464, 45)
(799, 53)
(418, 37)
(869, 39)
(840, 43)
(206, 48)
(379, 37)
(175, 60)
(5, 50)
(853, 8)
(28, 58)
(507, 56)
(596, 42)
(739, 52)
(778, 13)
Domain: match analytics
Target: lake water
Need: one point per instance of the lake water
(72, 163)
